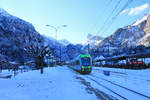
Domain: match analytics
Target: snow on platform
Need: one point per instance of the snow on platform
(57, 83)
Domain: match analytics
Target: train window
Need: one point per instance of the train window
(86, 61)
(77, 62)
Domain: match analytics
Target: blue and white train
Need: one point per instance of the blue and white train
(82, 64)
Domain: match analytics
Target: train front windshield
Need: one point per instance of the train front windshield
(86, 61)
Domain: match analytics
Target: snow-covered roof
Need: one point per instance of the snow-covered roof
(99, 57)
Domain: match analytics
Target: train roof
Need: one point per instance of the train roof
(80, 56)
(85, 55)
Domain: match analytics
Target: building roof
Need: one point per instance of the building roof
(140, 55)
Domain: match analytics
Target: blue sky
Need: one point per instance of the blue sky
(82, 16)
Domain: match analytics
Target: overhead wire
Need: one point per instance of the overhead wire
(123, 8)
(107, 19)
(104, 9)
(115, 17)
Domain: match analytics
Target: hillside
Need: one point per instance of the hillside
(15, 35)
(146, 39)
(130, 36)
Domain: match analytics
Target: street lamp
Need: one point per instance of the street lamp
(56, 28)
(56, 32)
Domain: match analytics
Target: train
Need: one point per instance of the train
(138, 61)
(135, 62)
(82, 64)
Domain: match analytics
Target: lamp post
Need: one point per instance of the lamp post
(56, 28)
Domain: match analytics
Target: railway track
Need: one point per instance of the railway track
(111, 71)
(122, 94)
(107, 88)
(117, 89)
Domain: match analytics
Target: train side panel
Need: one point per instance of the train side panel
(76, 67)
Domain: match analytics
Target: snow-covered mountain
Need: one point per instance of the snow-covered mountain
(92, 40)
(64, 42)
(127, 36)
(15, 35)
(146, 39)
(138, 22)
(137, 34)
(74, 50)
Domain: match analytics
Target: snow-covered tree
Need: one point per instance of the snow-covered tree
(38, 52)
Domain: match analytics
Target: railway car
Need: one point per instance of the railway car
(135, 62)
(82, 64)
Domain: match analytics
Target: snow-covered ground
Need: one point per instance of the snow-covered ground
(57, 83)
(62, 83)
(136, 80)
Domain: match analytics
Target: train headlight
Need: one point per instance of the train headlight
(89, 68)
(83, 68)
